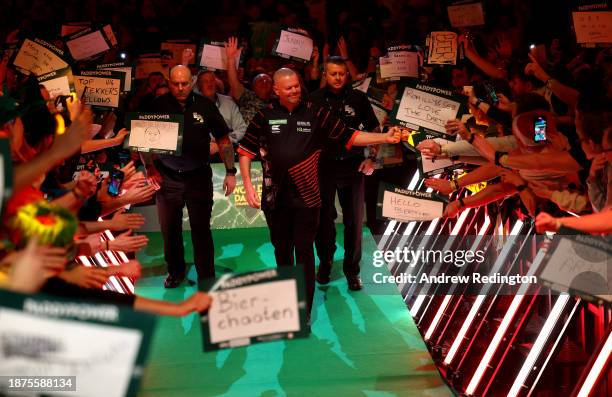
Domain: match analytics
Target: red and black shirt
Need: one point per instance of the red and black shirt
(289, 145)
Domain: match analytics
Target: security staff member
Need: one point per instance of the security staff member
(344, 172)
(187, 179)
(289, 136)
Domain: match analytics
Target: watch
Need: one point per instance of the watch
(231, 171)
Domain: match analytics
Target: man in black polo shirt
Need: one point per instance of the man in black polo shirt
(344, 171)
(289, 136)
(187, 179)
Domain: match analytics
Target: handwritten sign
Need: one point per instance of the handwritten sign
(214, 57)
(99, 87)
(255, 307)
(46, 336)
(429, 166)
(426, 108)
(442, 48)
(72, 28)
(58, 82)
(593, 27)
(466, 15)
(120, 67)
(155, 133)
(39, 57)
(148, 64)
(174, 51)
(578, 263)
(408, 205)
(399, 64)
(86, 44)
(293, 46)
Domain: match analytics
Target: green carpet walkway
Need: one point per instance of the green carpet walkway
(362, 343)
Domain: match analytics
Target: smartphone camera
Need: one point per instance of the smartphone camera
(116, 180)
(539, 129)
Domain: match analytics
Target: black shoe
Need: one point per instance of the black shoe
(323, 276)
(173, 282)
(354, 283)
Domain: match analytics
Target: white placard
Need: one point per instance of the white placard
(466, 15)
(295, 45)
(87, 45)
(151, 134)
(98, 91)
(128, 75)
(34, 57)
(215, 57)
(380, 113)
(399, 64)
(593, 27)
(426, 110)
(407, 208)
(57, 87)
(40, 346)
(579, 267)
(442, 48)
(363, 85)
(73, 28)
(254, 310)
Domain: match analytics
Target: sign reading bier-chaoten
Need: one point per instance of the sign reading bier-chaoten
(255, 307)
(102, 346)
(406, 205)
(156, 132)
(427, 109)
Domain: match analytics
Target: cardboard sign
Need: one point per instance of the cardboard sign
(442, 48)
(593, 27)
(579, 264)
(429, 167)
(255, 307)
(87, 44)
(58, 82)
(155, 133)
(213, 56)
(363, 85)
(39, 57)
(427, 109)
(6, 172)
(398, 63)
(407, 205)
(74, 27)
(173, 51)
(99, 87)
(295, 46)
(147, 64)
(120, 67)
(466, 15)
(104, 346)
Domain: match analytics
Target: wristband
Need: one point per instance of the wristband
(372, 157)
(498, 156)
(231, 171)
(520, 188)
(461, 203)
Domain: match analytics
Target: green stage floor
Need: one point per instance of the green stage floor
(362, 344)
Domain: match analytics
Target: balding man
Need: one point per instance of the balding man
(249, 102)
(290, 135)
(187, 179)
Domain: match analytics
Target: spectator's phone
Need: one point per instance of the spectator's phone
(539, 129)
(491, 93)
(116, 180)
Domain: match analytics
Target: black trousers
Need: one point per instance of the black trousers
(194, 189)
(341, 176)
(292, 232)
